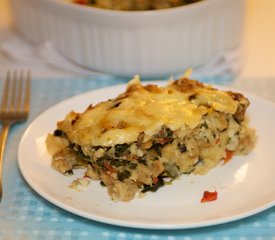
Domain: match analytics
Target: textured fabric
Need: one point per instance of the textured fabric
(226, 63)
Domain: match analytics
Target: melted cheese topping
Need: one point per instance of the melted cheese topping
(142, 109)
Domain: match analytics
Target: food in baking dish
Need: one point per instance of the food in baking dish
(150, 135)
(135, 5)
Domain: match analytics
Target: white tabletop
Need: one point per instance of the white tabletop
(258, 43)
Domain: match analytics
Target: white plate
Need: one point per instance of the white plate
(244, 185)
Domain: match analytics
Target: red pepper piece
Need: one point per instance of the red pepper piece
(209, 196)
(228, 156)
(155, 180)
(109, 167)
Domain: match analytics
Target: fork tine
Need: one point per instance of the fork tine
(27, 93)
(13, 92)
(5, 98)
(19, 91)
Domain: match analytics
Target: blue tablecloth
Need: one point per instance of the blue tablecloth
(26, 215)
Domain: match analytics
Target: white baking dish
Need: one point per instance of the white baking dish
(150, 43)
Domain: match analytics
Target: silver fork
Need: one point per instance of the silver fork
(14, 107)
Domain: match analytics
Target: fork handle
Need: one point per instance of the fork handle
(3, 138)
